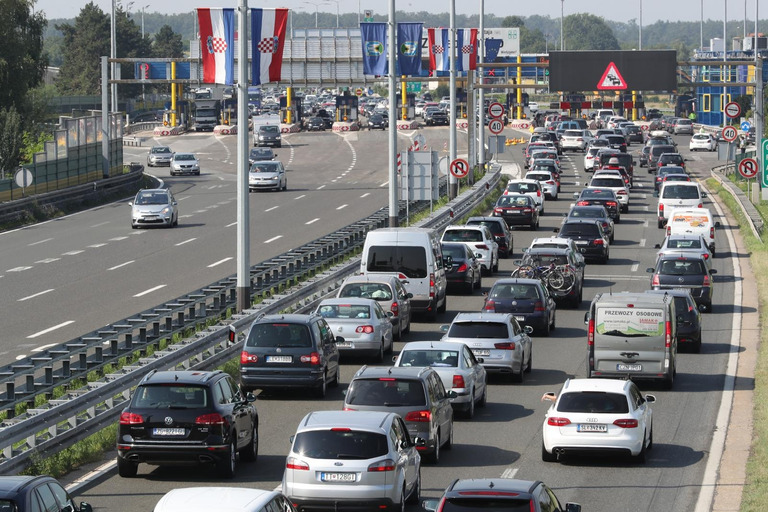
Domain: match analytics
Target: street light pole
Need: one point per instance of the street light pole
(640, 43)
(317, 7)
(113, 55)
(142, 20)
(337, 11)
(562, 8)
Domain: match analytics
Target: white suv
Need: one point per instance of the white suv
(480, 240)
(615, 183)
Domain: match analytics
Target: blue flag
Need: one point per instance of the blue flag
(409, 48)
(374, 38)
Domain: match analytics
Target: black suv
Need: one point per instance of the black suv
(688, 318)
(290, 351)
(589, 237)
(36, 493)
(435, 117)
(498, 494)
(500, 231)
(187, 417)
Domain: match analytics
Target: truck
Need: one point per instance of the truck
(207, 114)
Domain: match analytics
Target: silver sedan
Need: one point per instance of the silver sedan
(185, 163)
(365, 327)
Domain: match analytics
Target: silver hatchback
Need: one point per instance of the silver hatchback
(154, 207)
(345, 460)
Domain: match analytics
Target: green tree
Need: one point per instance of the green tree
(11, 138)
(22, 60)
(85, 42)
(588, 32)
(167, 44)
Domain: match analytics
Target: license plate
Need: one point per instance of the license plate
(481, 352)
(279, 359)
(582, 242)
(346, 344)
(591, 427)
(168, 432)
(629, 367)
(514, 212)
(337, 477)
(520, 318)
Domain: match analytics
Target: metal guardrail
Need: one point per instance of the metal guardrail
(42, 431)
(751, 214)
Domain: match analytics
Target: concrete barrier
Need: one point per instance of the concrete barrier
(164, 131)
(407, 125)
(344, 127)
(290, 128)
(225, 129)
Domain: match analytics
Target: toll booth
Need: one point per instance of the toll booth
(346, 108)
(296, 113)
(512, 104)
(461, 104)
(406, 112)
(229, 111)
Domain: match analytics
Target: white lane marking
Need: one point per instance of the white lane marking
(100, 224)
(273, 239)
(300, 197)
(634, 267)
(40, 242)
(18, 269)
(645, 208)
(50, 329)
(186, 241)
(321, 187)
(35, 295)
(312, 221)
(183, 198)
(153, 289)
(384, 184)
(71, 253)
(642, 242)
(618, 278)
(645, 223)
(341, 207)
(48, 260)
(509, 473)
(96, 246)
(118, 238)
(43, 347)
(183, 217)
(121, 265)
(88, 477)
(231, 224)
(365, 195)
(219, 262)
(270, 209)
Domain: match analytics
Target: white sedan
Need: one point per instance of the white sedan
(702, 141)
(599, 415)
(365, 327)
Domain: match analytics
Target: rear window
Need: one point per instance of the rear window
(661, 148)
(487, 504)
(345, 311)
(279, 335)
(463, 235)
(682, 267)
(340, 444)
(166, 396)
(408, 260)
(514, 201)
(494, 227)
(377, 291)
(539, 176)
(587, 213)
(680, 192)
(545, 259)
(434, 358)
(579, 230)
(387, 392)
(517, 291)
(572, 133)
(522, 188)
(593, 402)
(478, 330)
(454, 251)
(684, 244)
(606, 182)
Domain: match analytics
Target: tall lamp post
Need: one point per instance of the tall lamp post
(142, 20)
(337, 10)
(562, 9)
(113, 55)
(640, 37)
(317, 7)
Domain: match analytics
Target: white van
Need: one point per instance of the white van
(414, 254)
(632, 335)
(693, 221)
(678, 194)
(222, 499)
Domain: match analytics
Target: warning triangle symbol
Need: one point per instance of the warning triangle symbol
(612, 79)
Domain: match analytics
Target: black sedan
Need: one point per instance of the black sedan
(377, 121)
(315, 124)
(260, 155)
(589, 237)
(462, 268)
(527, 299)
(600, 197)
(596, 212)
(616, 142)
(517, 210)
(684, 272)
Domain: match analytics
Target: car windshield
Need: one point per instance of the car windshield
(279, 335)
(146, 198)
(265, 167)
(434, 358)
(517, 291)
(261, 153)
(341, 443)
(183, 156)
(161, 150)
(345, 311)
(269, 129)
(166, 396)
(494, 330)
(386, 391)
(463, 235)
(593, 402)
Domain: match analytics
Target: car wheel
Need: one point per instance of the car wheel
(449, 442)
(226, 467)
(470, 412)
(519, 377)
(441, 309)
(435, 455)
(669, 379)
(336, 378)
(546, 456)
(380, 355)
(126, 468)
(478, 281)
(484, 397)
(414, 497)
(134, 226)
(496, 265)
(251, 452)
(398, 335)
(545, 330)
(661, 224)
(640, 457)
(322, 389)
(468, 287)
(697, 347)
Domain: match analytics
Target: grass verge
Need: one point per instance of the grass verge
(755, 492)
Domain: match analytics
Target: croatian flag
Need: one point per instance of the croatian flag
(217, 45)
(267, 42)
(466, 44)
(439, 49)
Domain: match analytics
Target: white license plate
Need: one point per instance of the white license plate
(591, 427)
(279, 359)
(520, 318)
(629, 367)
(168, 432)
(514, 212)
(346, 344)
(582, 242)
(337, 477)
(481, 352)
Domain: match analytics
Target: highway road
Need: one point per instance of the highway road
(504, 439)
(69, 276)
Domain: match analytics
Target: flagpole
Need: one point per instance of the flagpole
(481, 95)
(393, 207)
(453, 182)
(243, 217)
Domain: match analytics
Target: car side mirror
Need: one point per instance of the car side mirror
(575, 195)
(650, 270)
(292, 438)
(85, 507)
(390, 314)
(713, 271)
(430, 505)
(586, 317)
(478, 255)
(528, 329)
(451, 394)
(419, 441)
(448, 261)
(339, 339)
(702, 308)
(657, 246)
(480, 360)
(250, 397)
(650, 398)
(717, 224)
(517, 262)
(445, 327)
(572, 507)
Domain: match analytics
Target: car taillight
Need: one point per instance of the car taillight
(605, 225)
(482, 246)
(550, 182)
(712, 233)
(538, 193)
(462, 268)
(706, 281)
(655, 280)
(626, 423)
(313, 358)
(131, 418)
(558, 422)
(669, 230)
(498, 210)
(211, 419)
(458, 381)
(246, 358)
(661, 208)
(507, 345)
(364, 329)
(432, 285)
(383, 465)
(539, 306)
(421, 416)
(294, 463)
(621, 192)
(701, 205)
(591, 332)
(598, 241)
(527, 210)
(395, 308)
(610, 203)
(667, 334)
(582, 203)
(489, 305)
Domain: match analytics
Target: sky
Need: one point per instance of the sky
(614, 10)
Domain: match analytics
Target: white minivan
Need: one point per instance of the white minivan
(693, 221)
(230, 499)
(413, 254)
(678, 194)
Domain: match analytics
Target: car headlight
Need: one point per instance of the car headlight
(166, 210)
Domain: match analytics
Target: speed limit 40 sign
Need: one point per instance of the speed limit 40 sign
(496, 126)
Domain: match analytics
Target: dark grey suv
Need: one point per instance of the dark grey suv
(416, 394)
(35, 494)
(290, 351)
